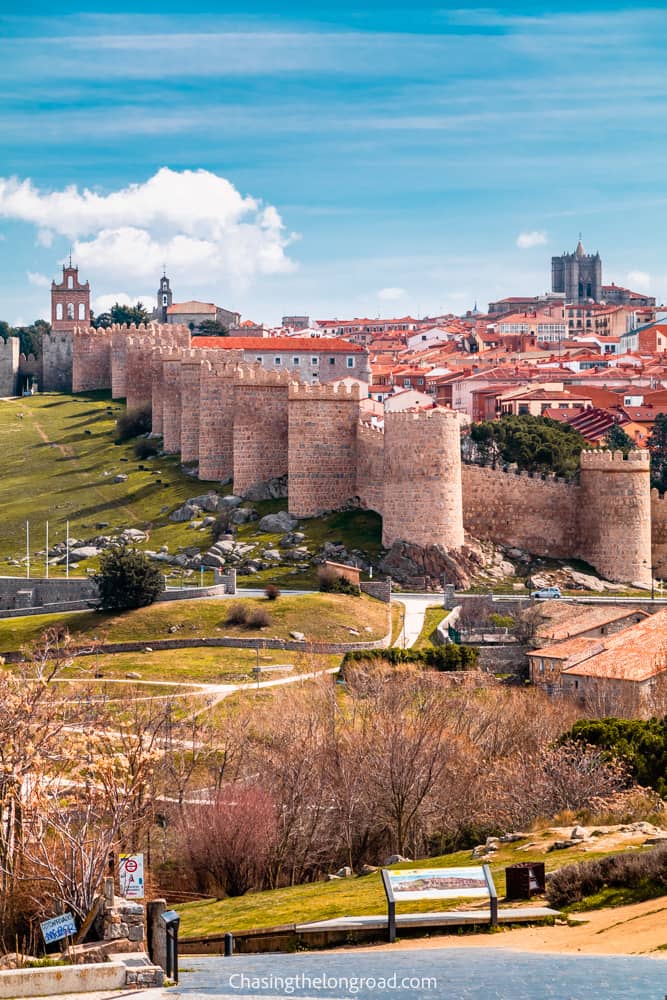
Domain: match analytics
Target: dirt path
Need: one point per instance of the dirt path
(638, 929)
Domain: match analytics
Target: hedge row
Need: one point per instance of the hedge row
(572, 883)
(450, 657)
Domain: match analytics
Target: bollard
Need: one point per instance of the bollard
(229, 945)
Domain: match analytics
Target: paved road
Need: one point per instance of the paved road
(415, 606)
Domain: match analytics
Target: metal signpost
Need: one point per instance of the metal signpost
(437, 883)
(58, 928)
(131, 875)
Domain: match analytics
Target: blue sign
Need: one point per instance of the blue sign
(58, 928)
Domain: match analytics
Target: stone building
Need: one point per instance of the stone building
(577, 275)
(70, 301)
(192, 314)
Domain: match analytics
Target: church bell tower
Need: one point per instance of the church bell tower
(164, 298)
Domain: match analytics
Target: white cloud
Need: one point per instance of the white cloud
(639, 280)
(193, 220)
(535, 238)
(391, 294)
(40, 280)
(103, 303)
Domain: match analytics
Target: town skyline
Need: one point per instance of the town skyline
(366, 162)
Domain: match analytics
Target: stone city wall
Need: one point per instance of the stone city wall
(516, 509)
(422, 479)
(322, 447)
(615, 514)
(91, 359)
(9, 365)
(659, 534)
(370, 467)
(57, 363)
(216, 418)
(260, 426)
(138, 352)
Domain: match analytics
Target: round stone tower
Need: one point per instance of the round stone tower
(615, 515)
(422, 479)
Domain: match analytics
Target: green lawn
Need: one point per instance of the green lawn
(347, 897)
(321, 617)
(59, 460)
(432, 619)
(215, 665)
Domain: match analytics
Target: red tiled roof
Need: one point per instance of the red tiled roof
(267, 345)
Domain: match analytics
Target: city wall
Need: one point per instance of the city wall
(9, 365)
(242, 422)
(259, 437)
(322, 447)
(543, 515)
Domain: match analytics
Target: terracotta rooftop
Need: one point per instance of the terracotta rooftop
(268, 345)
(636, 654)
(191, 307)
(565, 621)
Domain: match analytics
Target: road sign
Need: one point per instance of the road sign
(131, 875)
(58, 928)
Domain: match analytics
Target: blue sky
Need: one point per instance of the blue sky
(338, 160)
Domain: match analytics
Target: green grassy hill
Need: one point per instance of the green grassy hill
(321, 617)
(59, 463)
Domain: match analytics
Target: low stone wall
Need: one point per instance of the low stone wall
(22, 592)
(510, 659)
(63, 980)
(379, 589)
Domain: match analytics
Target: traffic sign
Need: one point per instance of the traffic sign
(131, 875)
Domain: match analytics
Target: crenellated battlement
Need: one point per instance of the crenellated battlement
(251, 375)
(334, 391)
(638, 460)
(371, 430)
(410, 416)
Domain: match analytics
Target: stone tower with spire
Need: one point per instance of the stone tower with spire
(164, 299)
(577, 275)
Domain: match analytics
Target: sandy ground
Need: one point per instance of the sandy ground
(639, 929)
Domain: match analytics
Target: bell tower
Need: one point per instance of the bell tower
(164, 298)
(70, 300)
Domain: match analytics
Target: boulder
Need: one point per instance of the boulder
(345, 872)
(225, 503)
(242, 515)
(578, 833)
(85, 552)
(273, 489)
(299, 636)
(273, 554)
(279, 522)
(120, 478)
(366, 870)
(188, 512)
(394, 859)
(132, 675)
(213, 560)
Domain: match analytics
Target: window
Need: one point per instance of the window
(315, 362)
(277, 361)
(406, 383)
(523, 409)
(296, 362)
(350, 362)
(164, 283)
(82, 310)
(332, 361)
(59, 310)
(541, 663)
(258, 359)
(165, 300)
(70, 281)
(70, 310)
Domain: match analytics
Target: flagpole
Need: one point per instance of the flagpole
(27, 549)
(67, 551)
(46, 556)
